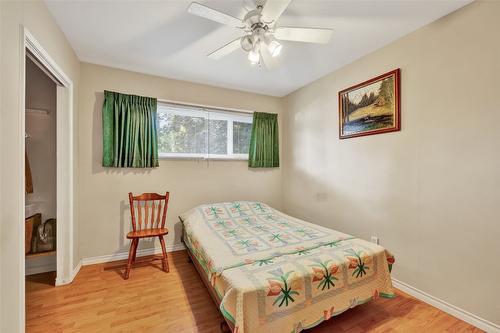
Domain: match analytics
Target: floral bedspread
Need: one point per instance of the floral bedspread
(277, 273)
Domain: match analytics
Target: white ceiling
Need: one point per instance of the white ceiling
(161, 38)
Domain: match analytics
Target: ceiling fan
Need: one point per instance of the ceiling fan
(262, 36)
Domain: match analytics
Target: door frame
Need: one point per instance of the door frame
(64, 151)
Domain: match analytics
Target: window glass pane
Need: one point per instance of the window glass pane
(217, 137)
(181, 134)
(241, 137)
(187, 131)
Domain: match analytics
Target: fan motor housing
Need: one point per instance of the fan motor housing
(252, 17)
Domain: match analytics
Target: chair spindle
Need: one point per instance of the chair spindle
(159, 214)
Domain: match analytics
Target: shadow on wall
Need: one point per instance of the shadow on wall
(145, 243)
(335, 204)
(341, 181)
(126, 226)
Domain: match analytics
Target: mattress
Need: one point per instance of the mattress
(276, 273)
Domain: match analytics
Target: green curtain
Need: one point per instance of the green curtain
(129, 131)
(264, 145)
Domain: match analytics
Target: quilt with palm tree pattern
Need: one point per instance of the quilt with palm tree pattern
(276, 273)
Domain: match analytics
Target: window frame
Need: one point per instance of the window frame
(211, 113)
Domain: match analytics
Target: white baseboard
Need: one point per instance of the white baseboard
(124, 255)
(114, 257)
(62, 282)
(451, 309)
(76, 270)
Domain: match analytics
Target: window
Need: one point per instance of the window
(185, 131)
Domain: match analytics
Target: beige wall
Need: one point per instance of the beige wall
(103, 191)
(34, 16)
(430, 192)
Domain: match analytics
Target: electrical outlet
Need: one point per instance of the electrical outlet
(375, 240)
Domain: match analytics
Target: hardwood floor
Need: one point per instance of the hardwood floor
(99, 300)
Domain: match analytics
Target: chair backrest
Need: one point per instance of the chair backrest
(150, 208)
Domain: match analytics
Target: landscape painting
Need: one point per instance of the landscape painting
(371, 107)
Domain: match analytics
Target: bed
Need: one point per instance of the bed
(270, 272)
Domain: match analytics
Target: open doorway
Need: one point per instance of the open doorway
(40, 173)
(46, 114)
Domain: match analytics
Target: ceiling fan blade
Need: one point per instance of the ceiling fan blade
(269, 61)
(307, 35)
(273, 9)
(225, 50)
(214, 15)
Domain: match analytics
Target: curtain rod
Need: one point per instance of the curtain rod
(204, 106)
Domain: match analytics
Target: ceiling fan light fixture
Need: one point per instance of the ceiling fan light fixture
(254, 57)
(247, 43)
(274, 48)
(262, 34)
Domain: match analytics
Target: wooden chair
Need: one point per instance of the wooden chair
(151, 214)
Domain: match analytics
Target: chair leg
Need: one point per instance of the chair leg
(164, 260)
(130, 257)
(136, 245)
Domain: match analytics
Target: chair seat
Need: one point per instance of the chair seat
(147, 233)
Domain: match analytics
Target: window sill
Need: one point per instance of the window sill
(200, 159)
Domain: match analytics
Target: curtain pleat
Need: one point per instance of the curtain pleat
(129, 131)
(264, 142)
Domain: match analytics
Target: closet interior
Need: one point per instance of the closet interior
(40, 170)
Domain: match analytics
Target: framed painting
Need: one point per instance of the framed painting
(370, 107)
